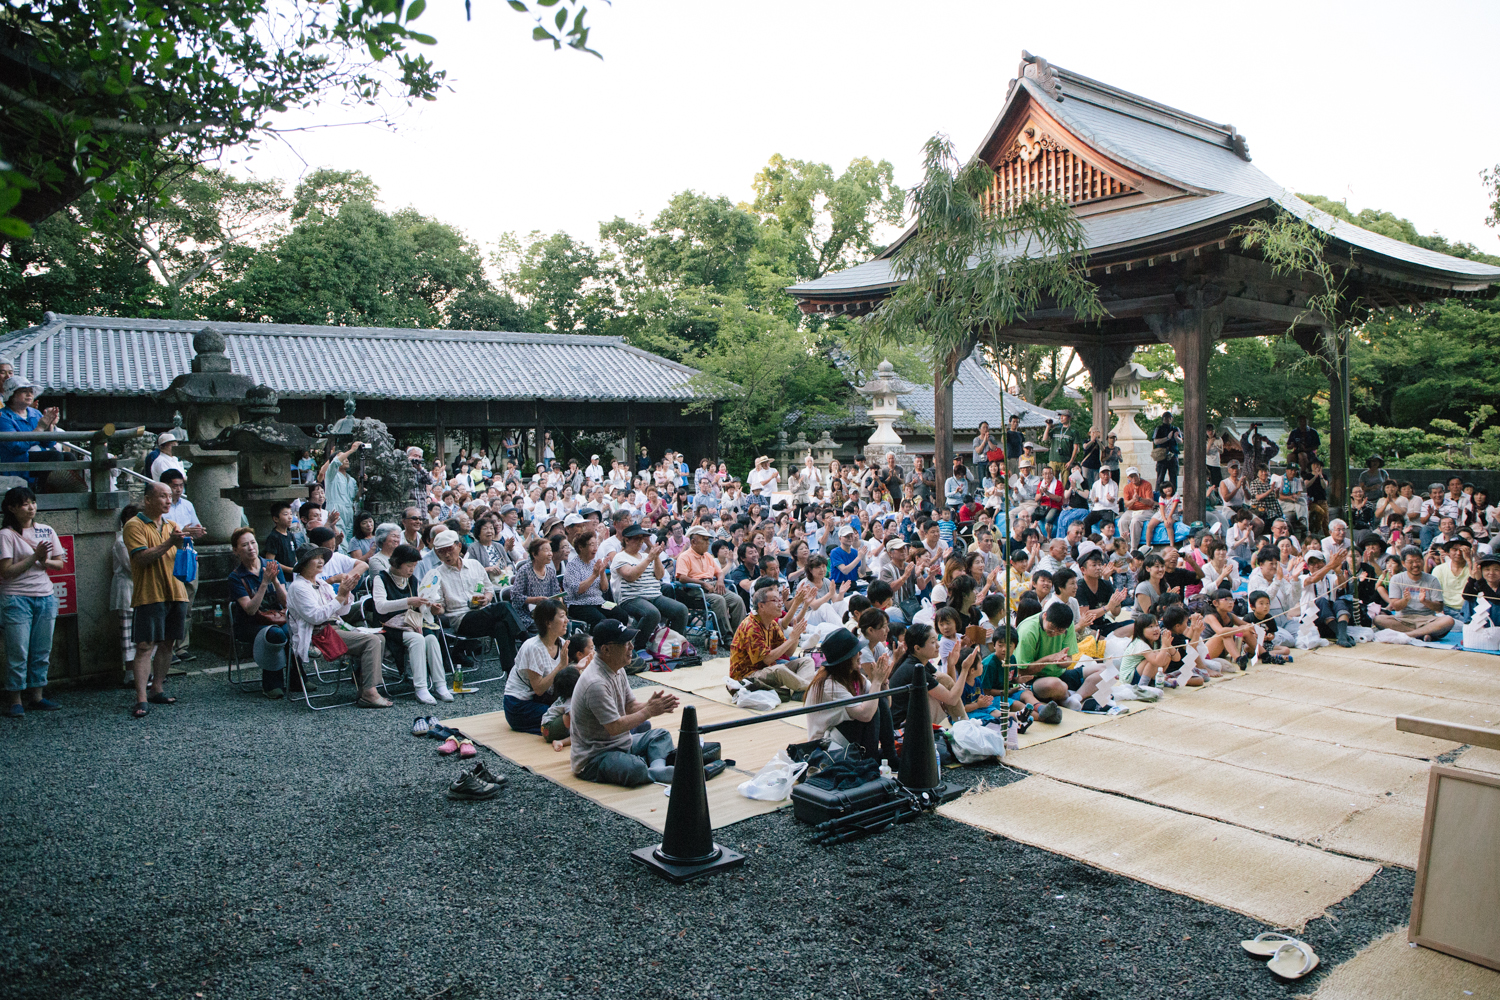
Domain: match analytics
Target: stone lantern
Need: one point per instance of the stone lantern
(209, 397)
(883, 391)
(265, 449)
(825, 446)
(1126, 403)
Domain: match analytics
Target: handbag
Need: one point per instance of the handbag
(1160, 454)
(270, 617)
(185, 566)
(329, 643)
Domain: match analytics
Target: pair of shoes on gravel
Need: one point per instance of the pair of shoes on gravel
(463, 746)
(476, 784)
(426, 697)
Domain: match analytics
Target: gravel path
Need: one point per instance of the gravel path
(229, 847)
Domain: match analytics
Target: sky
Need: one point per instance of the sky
(1385, 105)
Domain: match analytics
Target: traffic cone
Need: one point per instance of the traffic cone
(687, 849)
(920, 773)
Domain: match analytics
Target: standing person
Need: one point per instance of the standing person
(166, 446)
(340, 488)
(1062, 441)
(120, 591)
(159, 598)
(1166, 445)
(27, 551)
(183, 514)
(1213, 452)
(19, 416)
(1302, 445)
(1091, 457)
(762, 481)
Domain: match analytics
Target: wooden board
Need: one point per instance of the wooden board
(1457, 899)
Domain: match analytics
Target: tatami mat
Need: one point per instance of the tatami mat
(1391, 969)
(1352, 696)
(1426, 682)
(1404, 655)
(750, 747)
(1285, 807)
(1350, 729)
(707, 681)
(1479, 759)
(1278, 882)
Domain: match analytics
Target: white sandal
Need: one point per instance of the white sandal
(1265, 945)
(1292, 960)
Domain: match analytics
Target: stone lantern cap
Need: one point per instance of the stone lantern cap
(211, 380)
(263, 432)
(885, 383)
(1137, 371)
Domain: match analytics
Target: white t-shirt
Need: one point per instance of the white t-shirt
(646, 585)
(163, 463)
(1104, 496)
(532, 660)
(594, 472)
(763, 481)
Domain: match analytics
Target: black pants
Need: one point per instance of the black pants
(593, 614)
(1329, 612)
(876, 738)
(649, 614)
(499, 622)
(1167, 472)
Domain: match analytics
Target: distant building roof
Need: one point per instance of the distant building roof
(1204, 174)
(108, 356)
(976, 397)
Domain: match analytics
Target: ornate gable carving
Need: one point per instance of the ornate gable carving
(1037, 163)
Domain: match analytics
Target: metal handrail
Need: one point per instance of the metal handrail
(68, 446)
(108, 431)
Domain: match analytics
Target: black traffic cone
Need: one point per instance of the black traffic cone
(687, 849)
(919, 763)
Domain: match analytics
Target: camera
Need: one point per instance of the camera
(364, 445)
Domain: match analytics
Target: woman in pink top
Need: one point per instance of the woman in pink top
(27, 551)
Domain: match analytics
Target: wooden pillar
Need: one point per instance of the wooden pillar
(541, 432)
(1102, 362)
(438, 433)
(1192, 331)
(630, 444)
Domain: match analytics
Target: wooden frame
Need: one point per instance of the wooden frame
(1457, 896)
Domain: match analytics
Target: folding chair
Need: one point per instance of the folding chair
(394, 671)
(701, 619)
(240, 652)
(340, 670)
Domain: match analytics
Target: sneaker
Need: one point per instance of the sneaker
(484, 774)
(468, 787)
(425, 697)
(419, 726)
(16, 711)
(43, 705)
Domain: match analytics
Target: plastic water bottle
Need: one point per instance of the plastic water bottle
(713, 644)
(885, 768)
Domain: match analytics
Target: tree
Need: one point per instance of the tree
(560, 278)
(191, 228)
(358, 267)
(1397, 228)
(67, 267)
(760, 371)
(114, 96)
(967, 273)
(832, 219)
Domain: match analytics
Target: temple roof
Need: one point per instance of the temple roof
(1177, 174)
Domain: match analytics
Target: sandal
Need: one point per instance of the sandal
(161, 698)
(141, 710)
(1265, 945)
(1292, 960)
(383, 703)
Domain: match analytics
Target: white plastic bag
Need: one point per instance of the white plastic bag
(757, 701)
(1479, 633)
(1393, 636)
(973, 741)
(774, 782)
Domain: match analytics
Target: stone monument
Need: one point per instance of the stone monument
(209, 396)
(885, 410)
(264, 449)
(1126, 403)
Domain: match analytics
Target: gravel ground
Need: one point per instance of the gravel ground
(229, 847)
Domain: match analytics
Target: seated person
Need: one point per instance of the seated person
(945, 696)
(604, 712)
(557, 720)
(1272, 649)
(528, 689)
(1416, 603)
(342, 570)
(255, 587)
(636, 573)
(960, 660)
(1487, 585)
(840, 678)
(1046, 646)
(468, 597)
(1146, 658)
(761, 651)
(394, 591)
(1230, 636)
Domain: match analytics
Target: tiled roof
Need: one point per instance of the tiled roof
(104, 356)
(976, 397)
(1188, 152)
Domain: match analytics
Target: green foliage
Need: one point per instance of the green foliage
(1446, 445)
(1491, 180)
(561, 278)
(1397, 228)
(125, 93)
(67, 267)
(762, 370)
(832, 219)
(1441, 361)
(1262, 377)
(359, 267)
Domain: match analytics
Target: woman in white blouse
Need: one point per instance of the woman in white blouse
(311, 604)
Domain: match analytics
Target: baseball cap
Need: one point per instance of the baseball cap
(845, 530)
(895, 543)
(634, 531)
(571, 520)
(163, 438)
(609, 632)
(1132, 471)
(445, 539)
(699, 529)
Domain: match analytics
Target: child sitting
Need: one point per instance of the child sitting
(1145, 658)
(1260, 614)
(557, 720)
(964, 669)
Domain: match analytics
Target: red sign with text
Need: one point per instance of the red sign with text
(64, 582)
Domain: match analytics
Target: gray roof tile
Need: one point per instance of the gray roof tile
(93, 355)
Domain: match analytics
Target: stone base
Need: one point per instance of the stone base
(875, 456)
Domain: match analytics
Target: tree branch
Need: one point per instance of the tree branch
(114, 125)
(1067, 370)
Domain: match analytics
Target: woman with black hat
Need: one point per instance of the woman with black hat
(840, 678)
